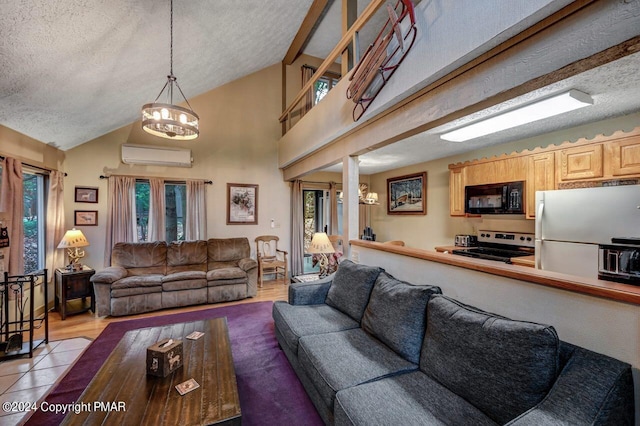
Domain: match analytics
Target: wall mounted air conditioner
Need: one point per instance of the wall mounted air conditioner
(156, 155)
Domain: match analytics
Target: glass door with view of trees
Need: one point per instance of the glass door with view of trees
(175, 208)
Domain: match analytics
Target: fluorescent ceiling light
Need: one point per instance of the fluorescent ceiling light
(535, 111)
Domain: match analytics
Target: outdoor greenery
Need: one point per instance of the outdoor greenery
(175, 204)
(30, 221)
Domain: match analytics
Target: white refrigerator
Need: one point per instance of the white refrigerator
(571, 223)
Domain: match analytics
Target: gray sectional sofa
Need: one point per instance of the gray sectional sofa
(370, 349)
(146, 277)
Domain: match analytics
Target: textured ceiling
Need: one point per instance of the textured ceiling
(73, 70)
(614, 87)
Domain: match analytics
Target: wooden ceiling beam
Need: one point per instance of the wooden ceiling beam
(309, 21)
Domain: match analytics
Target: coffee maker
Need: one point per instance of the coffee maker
(368, 234)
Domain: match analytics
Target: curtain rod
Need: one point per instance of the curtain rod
(2, 157)
(206, 182)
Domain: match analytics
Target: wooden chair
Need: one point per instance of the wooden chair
(271, 260)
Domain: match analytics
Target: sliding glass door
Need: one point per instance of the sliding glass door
(317, 211)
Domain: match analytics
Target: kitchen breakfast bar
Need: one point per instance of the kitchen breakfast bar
(605, 289)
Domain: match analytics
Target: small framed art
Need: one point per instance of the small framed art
(85, 218)
(86, 194)
(407, 194)
(242, 204)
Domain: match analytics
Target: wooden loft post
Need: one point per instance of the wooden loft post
(349, 16)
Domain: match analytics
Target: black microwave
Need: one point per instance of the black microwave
(496, 198)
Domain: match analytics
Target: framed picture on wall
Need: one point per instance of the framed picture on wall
(85, 217)
(242, 204)
(407, 194)
(86, 194)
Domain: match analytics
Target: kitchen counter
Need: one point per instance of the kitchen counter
(594, 287)
(529, 261)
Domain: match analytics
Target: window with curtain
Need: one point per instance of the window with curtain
(323, 85)
(32, 220)
(175, 210)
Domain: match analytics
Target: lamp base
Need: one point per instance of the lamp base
(324, 265)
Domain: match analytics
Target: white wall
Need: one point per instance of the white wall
(238, 133)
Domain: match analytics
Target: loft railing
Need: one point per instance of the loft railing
(347, 39)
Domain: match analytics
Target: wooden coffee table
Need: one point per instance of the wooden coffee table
(122, 381)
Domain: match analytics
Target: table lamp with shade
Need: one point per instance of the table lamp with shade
(321, 245)
(72, 241)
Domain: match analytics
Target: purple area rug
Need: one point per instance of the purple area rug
(270, 392)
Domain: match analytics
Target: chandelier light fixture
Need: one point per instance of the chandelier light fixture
(166, 119)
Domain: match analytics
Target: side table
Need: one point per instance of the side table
(305, 278)
(72, 285)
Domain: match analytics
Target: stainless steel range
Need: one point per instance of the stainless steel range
(501, 246)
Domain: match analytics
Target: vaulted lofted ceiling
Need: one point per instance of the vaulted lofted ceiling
(73, 70)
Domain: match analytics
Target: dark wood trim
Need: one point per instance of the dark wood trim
(366, 14)
(605, 289)
(309, 21)
(401, 112)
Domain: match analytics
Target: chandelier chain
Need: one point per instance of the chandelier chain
(171, 42)
(166, 119)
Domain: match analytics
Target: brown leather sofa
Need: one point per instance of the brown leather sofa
(146, 277)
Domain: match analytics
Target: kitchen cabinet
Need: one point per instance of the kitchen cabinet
(583, 163)
(540, 177)
(483, 172)
(624, 156)
(456, 191)
(580, 162)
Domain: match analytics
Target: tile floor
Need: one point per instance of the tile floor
(30, 379)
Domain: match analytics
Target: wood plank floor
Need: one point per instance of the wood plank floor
(88, 325)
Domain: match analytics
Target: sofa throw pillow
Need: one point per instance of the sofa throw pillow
(396, 314)
(351, 288)
(502, 366)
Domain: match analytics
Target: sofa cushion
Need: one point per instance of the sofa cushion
(134, 291)
(502, 366)
(141, 258)
(335, 361)
(406, 399)
(138, 281)
(186, 256)
(294, 322)
(185, 275)
(227, 250)
(351, 288)
(230, 273)
(396, 314)
(185, 284)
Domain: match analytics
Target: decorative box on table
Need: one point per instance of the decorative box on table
(164, 357)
